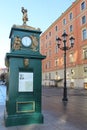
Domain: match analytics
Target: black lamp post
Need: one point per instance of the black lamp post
(65, 48)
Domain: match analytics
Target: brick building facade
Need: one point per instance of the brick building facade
(74, 22)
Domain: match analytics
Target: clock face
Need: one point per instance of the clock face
(26, 41)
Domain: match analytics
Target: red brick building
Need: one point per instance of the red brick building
(74, 22)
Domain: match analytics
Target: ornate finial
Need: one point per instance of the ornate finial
(25, 17)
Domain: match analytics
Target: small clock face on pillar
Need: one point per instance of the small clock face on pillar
(26, 41)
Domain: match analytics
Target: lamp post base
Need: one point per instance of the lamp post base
(65, 95)
(64, 99)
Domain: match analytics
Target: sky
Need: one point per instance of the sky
(41, 14)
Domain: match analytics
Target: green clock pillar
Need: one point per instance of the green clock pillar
(23, 102)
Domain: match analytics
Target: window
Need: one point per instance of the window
(49, 43)
(64, 21)
(70, 16)
(83, 5)
(56, 49)
(49, 75)
(85, 85)
(56, 75)
(84, 34)
(48, 64)
(85, 53)
(71, 28)
(83, 19)
(56, 28)
(49, 33)
(45, 76)
(46, 36)
(85, 69)
(72, 72)
(56, 61)
(71, 57)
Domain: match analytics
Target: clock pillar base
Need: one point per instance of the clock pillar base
(15, 120)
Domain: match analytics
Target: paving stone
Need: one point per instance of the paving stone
(57, 114)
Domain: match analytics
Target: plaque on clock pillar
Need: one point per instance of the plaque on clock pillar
(23, 102)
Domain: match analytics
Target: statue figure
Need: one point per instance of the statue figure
(25, 17)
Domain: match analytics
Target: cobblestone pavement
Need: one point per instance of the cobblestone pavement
(73, 113)
(53, 91)
(57, 114)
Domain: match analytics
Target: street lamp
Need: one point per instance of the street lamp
(65, 48)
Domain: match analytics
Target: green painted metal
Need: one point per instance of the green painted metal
(23, 107)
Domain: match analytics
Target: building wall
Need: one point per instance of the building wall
(74, 22)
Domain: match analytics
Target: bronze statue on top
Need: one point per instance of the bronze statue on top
(25, 17)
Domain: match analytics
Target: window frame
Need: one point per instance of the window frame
(64, 21)
(83, 5)
(56, 28)
(71, 57)
(84, 34)
(85, 53)
(83, 20)
(71, 28)
(70, 16)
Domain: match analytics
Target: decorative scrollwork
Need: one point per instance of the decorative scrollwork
(17, 43)
(34, 43)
